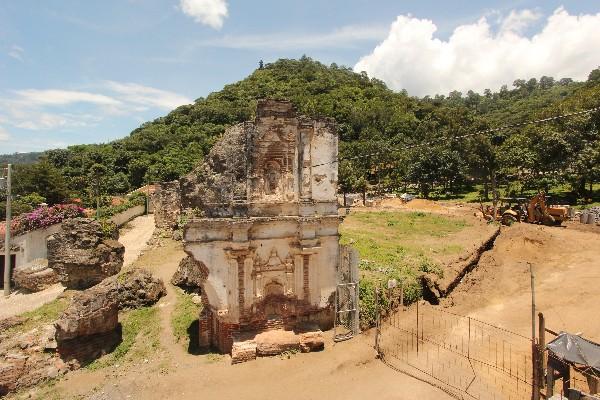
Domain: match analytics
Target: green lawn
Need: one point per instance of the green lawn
(184, 317)
(140, 339)
(397, 245)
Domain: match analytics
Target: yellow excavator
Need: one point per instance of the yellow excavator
(534, 211)
(538, 212)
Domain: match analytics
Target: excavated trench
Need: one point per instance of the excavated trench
(435, 289)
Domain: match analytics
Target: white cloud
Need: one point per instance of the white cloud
(63, 97)
(474, 57)
(48, 109)
(147, 96)
(207, 12)
(16, 52)
(347, 36)
(517, 21)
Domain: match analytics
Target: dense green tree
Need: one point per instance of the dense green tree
(41, 178)
(391, 141)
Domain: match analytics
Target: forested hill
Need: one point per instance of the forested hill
(371, 118)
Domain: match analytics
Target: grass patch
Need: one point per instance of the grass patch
(140, 326)
(397, 245)
(45, 314)
(212, 358)
(185, 314)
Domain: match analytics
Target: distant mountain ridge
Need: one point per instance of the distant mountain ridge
(20, 158)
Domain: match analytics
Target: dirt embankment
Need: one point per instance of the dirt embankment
(566, 265)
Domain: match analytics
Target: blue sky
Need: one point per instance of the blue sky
(91, 71)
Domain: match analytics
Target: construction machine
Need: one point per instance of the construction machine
(534, 211)
(538, 212)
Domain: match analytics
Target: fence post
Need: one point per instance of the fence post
(469, 341)
(542, 347)
(401, 295)
(377, 320)
(535, 386)
(417, 326)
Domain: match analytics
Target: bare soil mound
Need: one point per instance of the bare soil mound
(565, 264)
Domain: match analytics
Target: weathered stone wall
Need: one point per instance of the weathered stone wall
(266, 224)
(82, 256)
(35, 276)
(91, 312)
(167, 205)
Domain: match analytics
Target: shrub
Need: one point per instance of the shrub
(134, 200)
(44, 217)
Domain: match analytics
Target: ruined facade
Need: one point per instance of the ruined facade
(265, 225)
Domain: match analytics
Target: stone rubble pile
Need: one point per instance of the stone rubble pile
(138, 288)
(590, 215)
(190, 274)
(87, 329)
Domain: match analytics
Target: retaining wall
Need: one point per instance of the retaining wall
(127, 215)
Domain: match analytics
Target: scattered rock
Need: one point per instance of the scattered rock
(91, 312)
(138, 288)
(243, 351)
(275, 342)
(35, 276)
(190, 274)
(81, 254)
(10, 322)
(312, 341)
(177, 235)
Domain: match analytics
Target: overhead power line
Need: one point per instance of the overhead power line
(483, 132)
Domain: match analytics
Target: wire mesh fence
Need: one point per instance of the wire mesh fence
(469, 357)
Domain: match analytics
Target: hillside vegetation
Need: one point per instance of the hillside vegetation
(371, 119)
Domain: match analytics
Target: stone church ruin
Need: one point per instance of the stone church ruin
(262, 229)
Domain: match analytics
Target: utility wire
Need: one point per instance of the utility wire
(483, 132)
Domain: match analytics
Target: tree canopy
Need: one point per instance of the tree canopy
(415, 139)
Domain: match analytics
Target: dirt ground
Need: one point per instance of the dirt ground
(343, 371)
(567, 271)
(134, 237)
(566, 265)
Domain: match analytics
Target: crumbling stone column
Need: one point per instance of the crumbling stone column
(167, 205)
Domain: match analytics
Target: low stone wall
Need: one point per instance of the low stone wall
(124, 217)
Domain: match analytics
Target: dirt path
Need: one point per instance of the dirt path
(19, 303)
(163, 263)
(134, 237)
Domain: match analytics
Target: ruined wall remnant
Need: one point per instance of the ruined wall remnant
(167, 205)
(190, 274)
(81, 255)
(35, 276)
(266, 225)
(89, 327)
